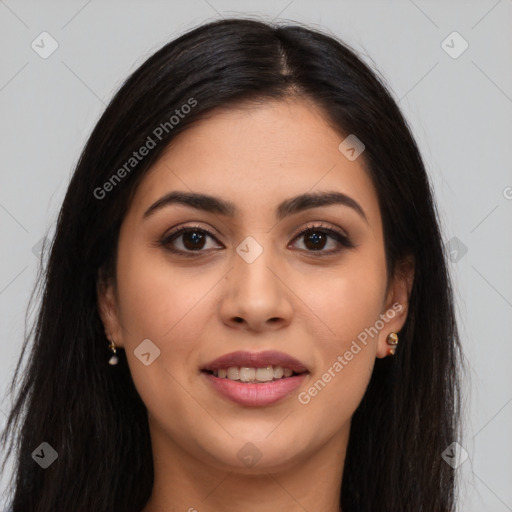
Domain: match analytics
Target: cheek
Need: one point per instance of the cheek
(156, 297)
(159, 303)
(349, 305)
(352, 297)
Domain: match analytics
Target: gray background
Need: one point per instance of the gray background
(459, 109)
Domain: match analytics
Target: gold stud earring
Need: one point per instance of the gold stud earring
(392, 340)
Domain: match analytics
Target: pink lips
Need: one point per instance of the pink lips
(255, 394)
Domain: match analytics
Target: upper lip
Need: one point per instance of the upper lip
(256, 360)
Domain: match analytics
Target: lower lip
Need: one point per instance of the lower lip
(255, 395)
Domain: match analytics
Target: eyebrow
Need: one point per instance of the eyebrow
(288, 207)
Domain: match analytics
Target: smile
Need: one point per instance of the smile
(245, 374)
(255, 379)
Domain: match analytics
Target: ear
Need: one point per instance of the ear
(108, 309)
(396, 304)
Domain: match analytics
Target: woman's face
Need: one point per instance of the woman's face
(243, 280)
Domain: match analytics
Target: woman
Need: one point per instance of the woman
(250, 240)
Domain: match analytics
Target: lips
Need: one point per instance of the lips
(244, 390)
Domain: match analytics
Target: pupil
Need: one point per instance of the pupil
(316, 238)
(196, 239)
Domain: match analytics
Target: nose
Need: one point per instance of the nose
(256, 296)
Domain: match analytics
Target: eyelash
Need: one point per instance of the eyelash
(343, 240)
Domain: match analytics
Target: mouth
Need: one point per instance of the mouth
(255, 379)
(253, 375)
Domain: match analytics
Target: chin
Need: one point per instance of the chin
(257, 454)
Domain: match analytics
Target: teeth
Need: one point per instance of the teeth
(246, 374)
(265, 374)
(278, 372)
(233, 373)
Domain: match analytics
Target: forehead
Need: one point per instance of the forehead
(256, 156)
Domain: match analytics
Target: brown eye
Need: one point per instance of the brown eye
(193, 240)
(317, 238)
(187, 240)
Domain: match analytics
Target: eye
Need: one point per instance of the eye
(187, 239)
(316, 238)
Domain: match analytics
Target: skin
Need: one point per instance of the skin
(290, 299)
